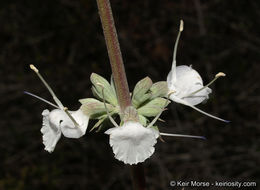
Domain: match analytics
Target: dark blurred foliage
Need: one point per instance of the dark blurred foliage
(63, 38)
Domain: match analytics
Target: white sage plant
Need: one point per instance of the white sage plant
(134, 138)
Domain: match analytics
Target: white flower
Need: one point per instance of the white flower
(132, 143)
(72, 124)
(187, 82)
(50, 130)
(57, 122)
(186, 85)
(68, 128)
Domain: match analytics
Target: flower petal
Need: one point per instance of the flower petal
(188, 81)
(68, 128)
(50, 129)
(132, 143)
(199, 96)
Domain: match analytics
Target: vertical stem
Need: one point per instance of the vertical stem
(119, 76)
(137, 172)
(114, 53)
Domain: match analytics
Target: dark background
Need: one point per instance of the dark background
(63, 38)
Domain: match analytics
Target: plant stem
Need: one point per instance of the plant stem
(114, 53)
(118, 71)
(138, 177)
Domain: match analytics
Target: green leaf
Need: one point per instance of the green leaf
(159, 89)
(96, 109)
(88, 100)
(153, 108)
(109, 93)
(140, 93)
(96, 94)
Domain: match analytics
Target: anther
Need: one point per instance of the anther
(181, 25)
(220, 74)
(34, 68)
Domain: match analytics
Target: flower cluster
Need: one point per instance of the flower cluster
(133, 140)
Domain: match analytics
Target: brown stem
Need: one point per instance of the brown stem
(119, 76)
(114, 53)
(137, 172)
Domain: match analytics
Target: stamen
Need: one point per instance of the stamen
(181, 25)
(163, 109)
(181, 101)
(40, 98)
(70, 116)
(220, 74)
(58, 102)
(175, 51)
(207, 114)
(159, 119)
(104, 101)
(34, 68)
(179, 135)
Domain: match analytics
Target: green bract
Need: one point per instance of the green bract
(153, 107)
(147, 100)
(159, 89)
(109, 92)
(95, 108)
(140, 93)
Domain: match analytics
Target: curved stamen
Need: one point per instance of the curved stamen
(175, 52)
(181, 101)
(58, 102)
(220, 74)
(104, 101)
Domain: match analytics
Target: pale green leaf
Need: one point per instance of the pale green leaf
(109, 93)
(88, 100)
(159, 89)
(140, 93)
(95, 109)
(153, 108)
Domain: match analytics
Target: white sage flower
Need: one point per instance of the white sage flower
(70, 130)
(186, 85)
(50, 130)
(57, 122)
(132, 143)
(72, 124)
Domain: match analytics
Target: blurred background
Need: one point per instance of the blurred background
(63, 38)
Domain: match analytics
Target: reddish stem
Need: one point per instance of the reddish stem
(114, 53)
(119, 76)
